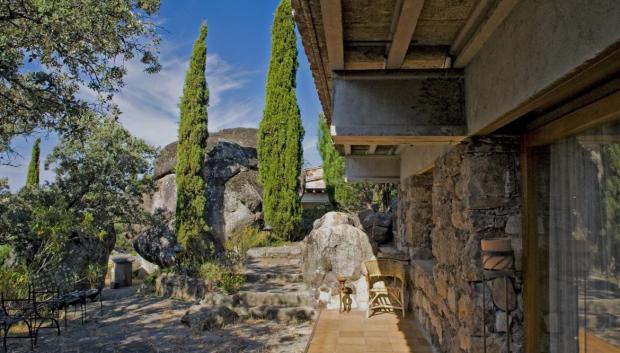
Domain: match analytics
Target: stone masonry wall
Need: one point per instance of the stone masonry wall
(475, 195)
(414, 216)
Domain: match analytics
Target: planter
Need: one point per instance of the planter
(497, 254)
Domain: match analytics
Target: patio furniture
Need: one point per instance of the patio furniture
(13, 312)
(386, 285)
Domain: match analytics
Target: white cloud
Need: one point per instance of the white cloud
(149, 103)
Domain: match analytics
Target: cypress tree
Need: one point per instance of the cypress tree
(346, 196)
(33, 168)
(280, 132)
(191, 226)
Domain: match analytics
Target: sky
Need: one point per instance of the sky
(238, 53)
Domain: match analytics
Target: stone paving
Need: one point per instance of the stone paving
(132, 323)
(354, 333)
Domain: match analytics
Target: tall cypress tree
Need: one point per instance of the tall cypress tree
(191, 226)
(33, 168)
(280, 132)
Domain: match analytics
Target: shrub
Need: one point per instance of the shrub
(211, 273)
(231, 282)
(95, 275)
(14, 281)
(151, 277)
(5, 251)
(243, 240)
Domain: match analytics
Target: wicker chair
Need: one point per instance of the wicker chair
(386, 285)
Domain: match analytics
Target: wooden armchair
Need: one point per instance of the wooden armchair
(386, 285)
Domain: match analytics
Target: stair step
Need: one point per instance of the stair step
(268, 277)
(281, 314)
(289, 299)
(293, 251)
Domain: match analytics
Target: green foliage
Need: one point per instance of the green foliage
(5, 252)
(280, 132)
(211, 273)
(151, 277)
(191, 228)
(52, 48)
(243, 240)
(32, 179)
(231, 282)
(14, 282)
(101, 176)
(95, 275)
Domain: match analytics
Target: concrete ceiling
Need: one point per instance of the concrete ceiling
(353, 35)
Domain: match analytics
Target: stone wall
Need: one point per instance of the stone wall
(475, 195)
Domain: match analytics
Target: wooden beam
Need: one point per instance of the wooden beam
(331, 12)
(495, 17)
(417, 57)
(399, 149)
(347, 150)
(594, 114)
(371, 149)
(405, 27)
(394, 140)
(473, 22)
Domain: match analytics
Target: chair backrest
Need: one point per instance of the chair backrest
(385, 268)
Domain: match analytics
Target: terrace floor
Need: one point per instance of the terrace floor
(352, 332)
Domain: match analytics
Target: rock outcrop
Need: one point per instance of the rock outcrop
(337, 246)
(231, 171)
(378, 225)
(158, 245)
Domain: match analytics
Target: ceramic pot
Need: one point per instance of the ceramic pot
(497, 254)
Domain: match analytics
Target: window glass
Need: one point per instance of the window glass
(578, 209)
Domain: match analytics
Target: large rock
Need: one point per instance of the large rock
(82, 250)
(158, 245)
(204, 318)
(231, 171)
(378, 225)
(337, 246)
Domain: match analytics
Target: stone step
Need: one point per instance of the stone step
(269, 277)
(281, 314)
(292, 251)
(287, 299)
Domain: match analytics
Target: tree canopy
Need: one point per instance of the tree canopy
(191, 226)
(52, 49)
(100, 179)
(280, 132)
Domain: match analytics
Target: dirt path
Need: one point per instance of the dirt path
(131, 322)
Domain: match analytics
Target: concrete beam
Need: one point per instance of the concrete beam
(407, 20)
(372, 169)
(419, 159)
(397, 109)
(495, 17)
(331, 11)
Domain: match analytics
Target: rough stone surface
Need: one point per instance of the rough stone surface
(231, 170)
(378, 225)
(472, 194)
(207, 317)
(337, 246)
(158, 245)
(82, 250)
(180, 287)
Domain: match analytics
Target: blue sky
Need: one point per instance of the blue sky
(239, 44)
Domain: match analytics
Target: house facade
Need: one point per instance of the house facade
(499, 119)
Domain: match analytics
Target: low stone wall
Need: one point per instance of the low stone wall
(180, 287)
(475, 195)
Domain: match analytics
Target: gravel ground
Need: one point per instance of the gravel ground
(131, 322)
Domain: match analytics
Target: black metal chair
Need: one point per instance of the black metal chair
(13, 312)
(46, 304)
